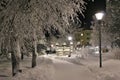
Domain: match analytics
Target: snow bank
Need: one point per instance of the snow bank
(44, 71)
(109, 71)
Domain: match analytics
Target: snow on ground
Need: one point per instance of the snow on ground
(109, 71)
(52, 67)
(43, 71)
(69, 71)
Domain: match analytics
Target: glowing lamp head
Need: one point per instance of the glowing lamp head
(99, 15)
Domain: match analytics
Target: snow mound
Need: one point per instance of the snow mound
(43, 71)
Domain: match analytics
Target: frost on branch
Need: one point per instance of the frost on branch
(19, 18)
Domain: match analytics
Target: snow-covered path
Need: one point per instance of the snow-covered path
(69, 71)
(51, 67)
(88, 70)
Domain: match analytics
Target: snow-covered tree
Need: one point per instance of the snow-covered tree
(31, 19)
(113, 21)
(110, 25)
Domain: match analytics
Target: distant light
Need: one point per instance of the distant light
(69, 38)
(52, 45)
(81, 34)
(99, 15)
(71, 42)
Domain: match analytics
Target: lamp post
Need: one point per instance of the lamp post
(64, 44)
(99, 17)
(70, 40)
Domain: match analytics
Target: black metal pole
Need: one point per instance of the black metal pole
(70, 51)
(100, 53)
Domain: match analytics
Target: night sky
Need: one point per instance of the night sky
(91, 9)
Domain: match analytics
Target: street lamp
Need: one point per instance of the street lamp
(99, 17)
(70, 39)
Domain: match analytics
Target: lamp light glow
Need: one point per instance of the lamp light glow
(99, 15)
(69, 38)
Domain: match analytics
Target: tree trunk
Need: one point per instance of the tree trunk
(34, 56)
(15, 56)
(34, 51)
(22, 55)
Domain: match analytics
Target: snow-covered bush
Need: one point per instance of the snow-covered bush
(114, 53)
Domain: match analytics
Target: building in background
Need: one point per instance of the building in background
(82, 37)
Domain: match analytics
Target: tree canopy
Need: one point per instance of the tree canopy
(110, 24)
(20, 17)
(113, 20)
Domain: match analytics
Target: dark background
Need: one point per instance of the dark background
(92, 7)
